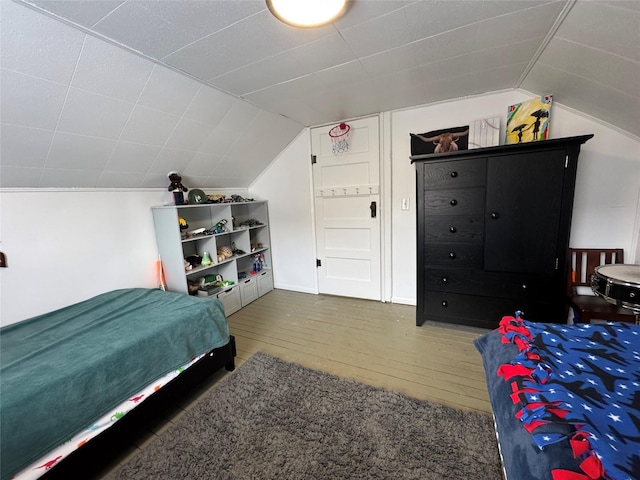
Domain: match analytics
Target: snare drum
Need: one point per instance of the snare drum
(618, 284)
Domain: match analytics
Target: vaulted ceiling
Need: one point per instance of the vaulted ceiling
(117, 93)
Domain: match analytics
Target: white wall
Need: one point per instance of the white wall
(64, 246)
(286, 184)
(605, 209)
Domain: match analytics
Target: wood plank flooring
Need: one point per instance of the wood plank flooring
(372, 342)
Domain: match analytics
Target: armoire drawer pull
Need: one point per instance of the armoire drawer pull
(445, 280)
(453, 229)
(445, 303)
(453, 202)
(495, 215)
(452, 254)
(524, 286)
(454, 174)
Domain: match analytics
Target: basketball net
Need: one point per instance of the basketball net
(339, 136)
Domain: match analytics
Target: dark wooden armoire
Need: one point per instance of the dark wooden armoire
(493, 231)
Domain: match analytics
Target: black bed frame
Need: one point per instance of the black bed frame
(101, 453)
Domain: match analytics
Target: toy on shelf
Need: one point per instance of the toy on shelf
(236, 251)
(250, 223)
(206, 259)
(220, 227)
(176, 187)
(258, 263)
(225, 251)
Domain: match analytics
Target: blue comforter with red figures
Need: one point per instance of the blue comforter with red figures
(578, 384)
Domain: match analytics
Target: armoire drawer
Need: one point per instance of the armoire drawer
(459, 228)
(486, 311)
(453, 254)
(495, 284)
(465, 201)
(455, 174)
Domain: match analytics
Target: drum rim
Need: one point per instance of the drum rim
(615, 281)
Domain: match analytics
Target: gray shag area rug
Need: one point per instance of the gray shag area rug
(272, 419)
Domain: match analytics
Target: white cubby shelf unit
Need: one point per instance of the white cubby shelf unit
(251, 239)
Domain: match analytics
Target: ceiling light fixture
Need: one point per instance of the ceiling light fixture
(307, 13)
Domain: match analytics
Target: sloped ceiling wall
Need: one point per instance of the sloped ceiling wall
(77, 110)
(80, 112)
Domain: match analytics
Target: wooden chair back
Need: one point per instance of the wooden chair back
(582, 263)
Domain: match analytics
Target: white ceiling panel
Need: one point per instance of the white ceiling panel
(55, 59)
(59, 178)
(613, 27)
(108, 70)
(131, 157)
(256, 37)
(422, 52)
(23, 146)
(94, 115)
(209, 106)
(83, 12)
(144, 27)
(148, 126)
(606, 104)
(201, 165)
(575, 58)
(391, 30)
(258, 75)
(218, 88)
(168, 91)
(170, 159)
(522, 25)
(188, 135)
(109, 179)
(30, 101)
(79, 152)
(17, 177)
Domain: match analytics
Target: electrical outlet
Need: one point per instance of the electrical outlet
(405, 204)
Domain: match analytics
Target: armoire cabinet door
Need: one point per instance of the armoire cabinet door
(523, 211)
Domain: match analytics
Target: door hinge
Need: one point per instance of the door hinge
(318, 262)
(566, 161)
(313, 160)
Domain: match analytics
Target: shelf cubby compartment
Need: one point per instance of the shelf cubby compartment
(174, 248)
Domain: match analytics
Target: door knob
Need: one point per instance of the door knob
(453, 229)
(454, 174)
(452, 254)
(495, 215)
(453, 202)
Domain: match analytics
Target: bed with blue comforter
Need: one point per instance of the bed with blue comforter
(62, 371)
(565, 399)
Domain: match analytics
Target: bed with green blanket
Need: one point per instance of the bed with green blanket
(62, 371)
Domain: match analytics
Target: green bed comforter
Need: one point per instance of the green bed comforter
(61, 371)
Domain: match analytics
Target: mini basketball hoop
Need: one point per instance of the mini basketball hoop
(340, 138)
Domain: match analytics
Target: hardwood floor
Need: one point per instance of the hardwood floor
(372, 342)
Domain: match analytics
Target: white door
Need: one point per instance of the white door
(347, 207)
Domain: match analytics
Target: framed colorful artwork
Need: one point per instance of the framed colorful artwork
(529, 121)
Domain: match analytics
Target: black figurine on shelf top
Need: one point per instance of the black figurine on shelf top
(176, 187)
